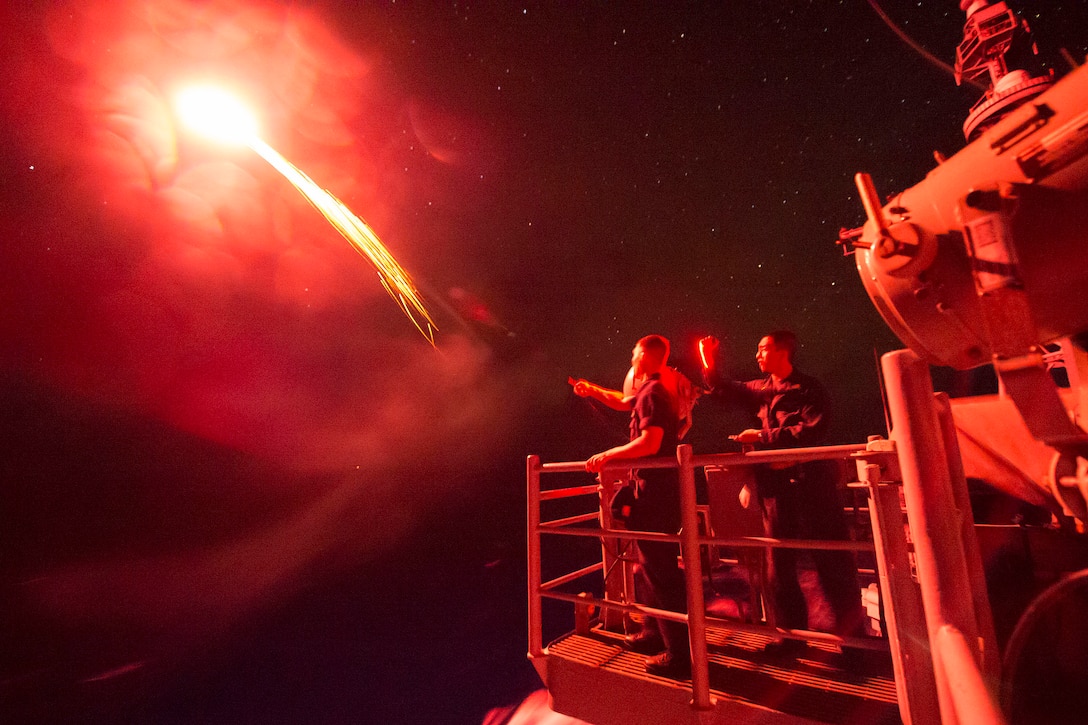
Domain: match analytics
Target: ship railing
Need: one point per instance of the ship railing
(871, 460)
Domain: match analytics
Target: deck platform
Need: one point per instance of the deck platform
(594, 677)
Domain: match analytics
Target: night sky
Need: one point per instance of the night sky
(238, 485)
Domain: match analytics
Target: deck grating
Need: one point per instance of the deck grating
(810, 687)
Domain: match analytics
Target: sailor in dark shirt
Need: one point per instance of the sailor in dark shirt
(654, 426)
(800, 501)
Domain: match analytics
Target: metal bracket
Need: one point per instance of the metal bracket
(1017, 357)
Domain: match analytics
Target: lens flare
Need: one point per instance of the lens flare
(215, 113)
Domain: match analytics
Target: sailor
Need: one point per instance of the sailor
(797, 501)
(656, 507)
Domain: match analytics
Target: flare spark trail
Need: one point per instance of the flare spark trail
(362, 238)
(217, 114)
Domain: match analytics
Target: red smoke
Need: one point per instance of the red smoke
(188, 291)
(188, 281)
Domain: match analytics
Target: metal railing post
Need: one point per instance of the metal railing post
(693, 577)
(970, 696)
(931, 510)
(536, 623)
(908, 640)
(990, 657)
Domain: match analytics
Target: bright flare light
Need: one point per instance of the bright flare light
(215, 113)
